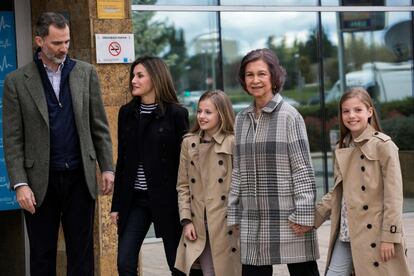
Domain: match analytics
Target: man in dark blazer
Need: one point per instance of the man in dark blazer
(54, 131)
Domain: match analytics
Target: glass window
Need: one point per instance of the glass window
(174, 2)
(366, 2)
(188, 42)
(379, 60)
(373, 50)
(296, 46)
(271, 2)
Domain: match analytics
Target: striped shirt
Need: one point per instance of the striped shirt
(140, 182)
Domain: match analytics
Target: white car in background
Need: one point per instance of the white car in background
(384, 81)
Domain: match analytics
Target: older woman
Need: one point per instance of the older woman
(272, 197)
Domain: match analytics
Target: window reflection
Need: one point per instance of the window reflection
(174, 2)
(271, 2)
(360, 3)
(188, 42)
(296, 46)
(203, 55)
(381, 62)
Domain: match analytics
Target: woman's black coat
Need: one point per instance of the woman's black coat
(160, 153)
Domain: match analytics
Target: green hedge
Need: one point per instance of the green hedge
(397, 120)
(401, 130)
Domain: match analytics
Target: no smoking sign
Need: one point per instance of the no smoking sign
(114, 48)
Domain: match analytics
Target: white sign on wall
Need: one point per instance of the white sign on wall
(114, 48)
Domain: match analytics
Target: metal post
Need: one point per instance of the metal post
(322, 100)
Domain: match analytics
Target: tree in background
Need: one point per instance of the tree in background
(358, 52)
(310, 47)
(162, 39)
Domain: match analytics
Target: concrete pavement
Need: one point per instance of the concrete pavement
(154, 262)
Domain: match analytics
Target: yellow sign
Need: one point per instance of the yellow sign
(111, 9)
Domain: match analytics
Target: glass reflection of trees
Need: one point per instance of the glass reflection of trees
(162, 38)
(194, 70)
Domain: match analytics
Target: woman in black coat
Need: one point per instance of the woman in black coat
(150, 130)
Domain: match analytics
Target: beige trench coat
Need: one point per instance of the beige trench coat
(203, 185)
(369, 178)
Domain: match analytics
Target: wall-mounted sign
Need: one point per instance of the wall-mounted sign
(7, 64)
(362, 21)
(114, 48)
(111, 9)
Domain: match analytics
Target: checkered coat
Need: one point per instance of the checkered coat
(272, 182)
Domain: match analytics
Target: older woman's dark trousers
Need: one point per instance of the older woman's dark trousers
(297, 269)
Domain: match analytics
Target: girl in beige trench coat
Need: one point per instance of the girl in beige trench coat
(365, 205)
(203, 185)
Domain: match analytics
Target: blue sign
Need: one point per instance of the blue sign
(7, 64)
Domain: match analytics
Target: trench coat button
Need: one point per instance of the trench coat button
(161, 129)
(185, 245)
(192, 197)
(223, 197)
(233, 249)
(363, 187)
(373, 245)
(192, 214)
(192, 180)
(220, 180)
(362, 156)
(220, 162)
(365, 207)
(369, 225)
(376, 133)
(376, 264)
(192, 163)
(393, 229)
(193, 145)
(230, 232)
(225, 216)
(363, 168)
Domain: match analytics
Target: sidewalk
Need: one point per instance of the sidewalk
(154, 263)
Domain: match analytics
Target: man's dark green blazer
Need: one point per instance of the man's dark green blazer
(26, 127)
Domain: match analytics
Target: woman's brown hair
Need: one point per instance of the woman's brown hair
(161, 79)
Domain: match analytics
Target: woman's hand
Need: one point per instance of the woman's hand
(387, 251)
(190, 232)
(115, 218)
(299, 230)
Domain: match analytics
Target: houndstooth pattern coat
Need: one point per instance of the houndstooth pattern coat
(272, 182)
